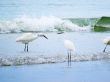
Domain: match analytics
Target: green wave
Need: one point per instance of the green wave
(103, 24)
(84, 21)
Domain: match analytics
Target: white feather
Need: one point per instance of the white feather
(69, 45)
(27, 37)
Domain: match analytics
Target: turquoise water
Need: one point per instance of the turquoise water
(62, 8)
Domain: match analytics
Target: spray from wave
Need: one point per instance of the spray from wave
(42, 24)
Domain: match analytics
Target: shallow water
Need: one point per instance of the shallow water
(86, 43)
(88, 47)
(92, 71)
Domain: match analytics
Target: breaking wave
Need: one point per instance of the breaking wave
(42, 24)
(28, 60)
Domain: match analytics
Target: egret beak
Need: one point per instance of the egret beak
(45, 36)
(60, 32)
(42, 35)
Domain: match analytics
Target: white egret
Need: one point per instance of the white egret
(28, 37)
(70, 47)
(107, 42)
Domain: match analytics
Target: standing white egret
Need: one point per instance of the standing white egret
(28, 37)
(70, 47)
(107, 42)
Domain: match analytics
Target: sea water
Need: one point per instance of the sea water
(92, 71)
(61, 8)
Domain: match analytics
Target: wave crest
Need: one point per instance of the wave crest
(42, 24)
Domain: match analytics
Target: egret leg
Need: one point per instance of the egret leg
(105, 48)
(68, 57)
(25, 47)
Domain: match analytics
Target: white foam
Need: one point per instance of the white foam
(44, 23)
(28, 59)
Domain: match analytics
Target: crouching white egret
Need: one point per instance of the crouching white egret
(107, 42)
(70, 47)
(28, 37)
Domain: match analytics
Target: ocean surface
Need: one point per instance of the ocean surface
(10, 9)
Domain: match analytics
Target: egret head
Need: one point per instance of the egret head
(107, 40)
(17, 40)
